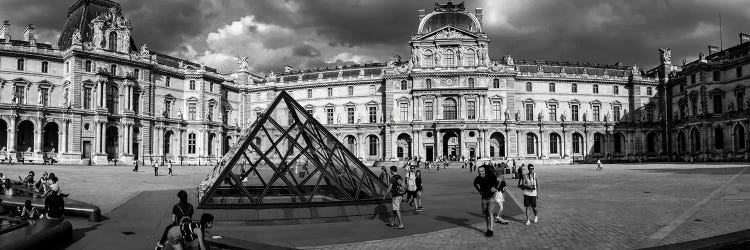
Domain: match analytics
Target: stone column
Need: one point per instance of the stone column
(63, 148)
(563, 149)
(97, 139)
(438, 144)
(102, 93)
(38, 137)
(12, 134)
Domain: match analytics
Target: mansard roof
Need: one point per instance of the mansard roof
(79, 18)
(571, 68)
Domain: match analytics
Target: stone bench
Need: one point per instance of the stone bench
(72, 207)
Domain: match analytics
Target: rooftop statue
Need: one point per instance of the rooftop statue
(449, 7)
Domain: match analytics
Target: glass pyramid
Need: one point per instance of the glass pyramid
(287, 157)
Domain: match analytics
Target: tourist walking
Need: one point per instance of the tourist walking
(530, 189)
(500, 195)
(156, 168)
(599, 166)
(419, 190)
(411, 186)
(520, 175)
(169, 166)
(397, 189)
(385, 177)
(135, 166)
(190, 235)
(182, 213)
(486, 185)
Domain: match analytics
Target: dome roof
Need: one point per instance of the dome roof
(437, 20)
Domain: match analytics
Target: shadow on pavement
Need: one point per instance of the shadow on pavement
(462, 222)
(79, 233)
(703, 171)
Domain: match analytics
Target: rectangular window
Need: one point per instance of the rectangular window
(717, 104)
(310, 111)
(87, 98)
(616, 90)
(717, 76)
(650, 113)
(373, 114)
(309, 93)
(167, 81)
(210, 112)
(211, 87)
(45, 96)
(471, 110)
(553, 112)
(192, 109)
(404, 111)
(529, 112)
(21, 64)
(88, 66)
(740, 100)
(350, 89)
(350, 115)
(191, 143)
(113, 69)
(21, 94)
(692, 78)
(428, 111)
(596, 112)
(137, 74)
(739, 72)
(496, 111)
(329, 116)
(167, 108)
(616, 113)
(372, 89)
(192, 84)
(330, 92)
(694, 105)
(45, 67)
(574, 113)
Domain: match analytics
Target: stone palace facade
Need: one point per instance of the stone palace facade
(97, 96)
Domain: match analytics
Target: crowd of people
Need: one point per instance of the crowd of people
(46, 187)
(490, 183)
(156, 164)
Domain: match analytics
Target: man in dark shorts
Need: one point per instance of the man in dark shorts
(530, 188)
(486, 184)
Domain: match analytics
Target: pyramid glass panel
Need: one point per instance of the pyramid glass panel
(287, 157)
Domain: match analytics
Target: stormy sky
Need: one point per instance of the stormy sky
(317, 33)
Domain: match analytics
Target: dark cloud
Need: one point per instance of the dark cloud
(583, 30)
(305, 50)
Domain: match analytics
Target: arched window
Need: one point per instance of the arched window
(618, 143)
(471, 82)
(191, 143)
(350, 89)
(112, 99)
(653, 141)
(554, 143)
(530, 143)
(450, 60)
(574, 88)
(471, 58)
(577, 143)
(649, 91)
(429, 59)
(616, 90)
(739, 137)
(528, 87)
(113, 69)
(403, 85)
(113, 41)
(373, 141)
(496, 83)
(596, 89)
(45, 67)
(552, 87)
(192, 84)
(449, 109)
(428, 83)
(309, 93)
(330, 92)
(718, 138)
(598, 142)
(695, 141)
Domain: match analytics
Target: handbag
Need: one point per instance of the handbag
(499, 198)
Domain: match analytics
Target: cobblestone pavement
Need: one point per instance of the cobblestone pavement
(615, 209)
(620, 207)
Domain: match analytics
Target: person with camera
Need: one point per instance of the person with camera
(530, 187)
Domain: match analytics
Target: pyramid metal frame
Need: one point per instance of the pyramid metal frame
(313, 133)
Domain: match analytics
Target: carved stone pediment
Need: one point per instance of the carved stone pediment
(448, 33)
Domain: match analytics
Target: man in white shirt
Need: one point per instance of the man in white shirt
(530, 189)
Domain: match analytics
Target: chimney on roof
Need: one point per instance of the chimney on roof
(288, 69)
(712, 49)
(29, 35)
(743, 37)
(478, 13)
(421, 14)
(5, 30)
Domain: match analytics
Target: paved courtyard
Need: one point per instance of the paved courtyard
(624, 206)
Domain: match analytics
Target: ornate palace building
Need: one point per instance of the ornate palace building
(709, 104)
(98, 95)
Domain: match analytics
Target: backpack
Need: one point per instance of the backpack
(411, 181)
(185, 218)
(398, 187)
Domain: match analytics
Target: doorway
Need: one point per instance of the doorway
(87, 150)
(429, 153)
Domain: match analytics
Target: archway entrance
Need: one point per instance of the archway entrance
(652, 143)
(451, 146)
(3, 135)
(497, 142)
(25, 137)
(50, 135)
(211, 146)
(577, 144)
(168, 143)
(351, 144)
(695, 141)
(403, 150)
(112, 140)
